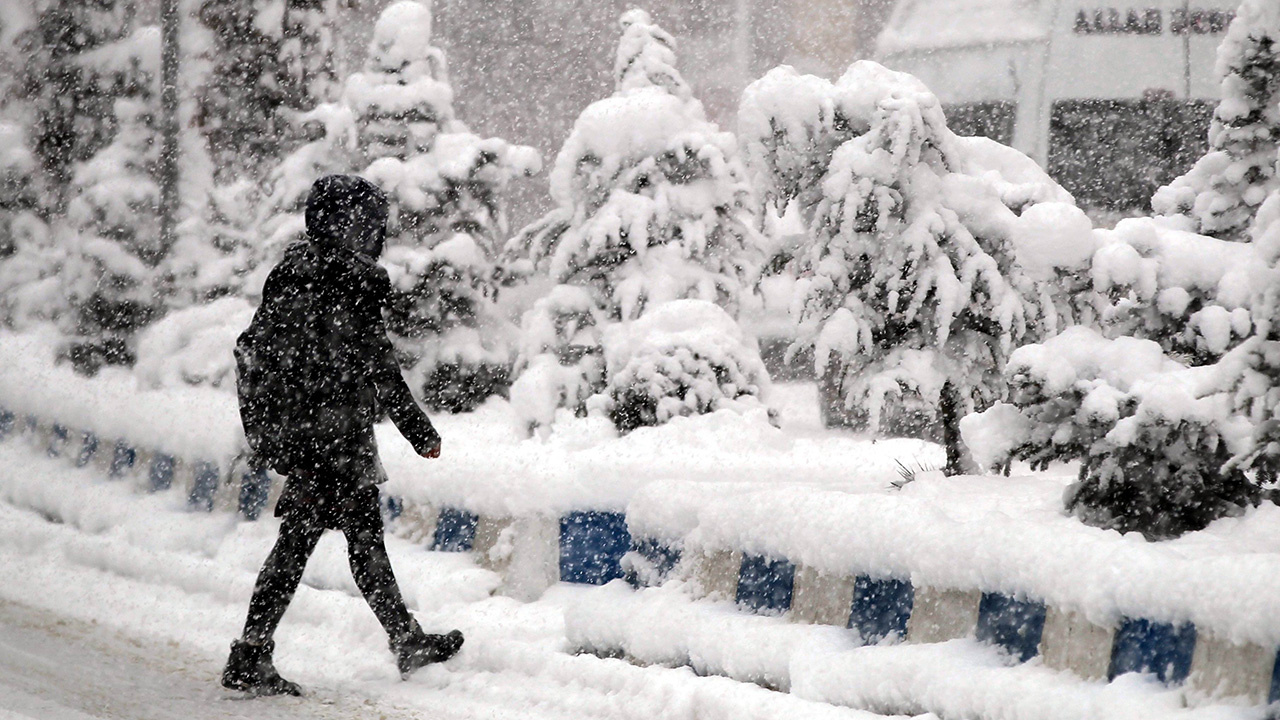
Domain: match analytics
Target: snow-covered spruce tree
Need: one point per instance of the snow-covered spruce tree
(445, 185)
(108, 273)
(28, 281)
(1154, 438)
(653, 206)
(72, 97)
(18, 194)
(271, 65)
(1221, 193)
(917, 291)
(1251, 372)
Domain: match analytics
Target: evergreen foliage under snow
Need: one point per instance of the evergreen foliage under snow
(1221, 193)
(653, 206)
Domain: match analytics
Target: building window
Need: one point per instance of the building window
(992, 119)
(1114, 154)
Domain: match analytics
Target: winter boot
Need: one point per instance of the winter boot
(249, 670)
(417, 649)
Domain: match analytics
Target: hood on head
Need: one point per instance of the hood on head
(347, 212)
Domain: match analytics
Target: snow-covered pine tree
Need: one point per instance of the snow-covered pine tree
(271, 66)
(306, 66)
(114, 244)
(653, 206)
(1221, 193)
(1251, 372)
(28, 280)
(239, 103)
(445, 185)
(72, 98)
(917, 292)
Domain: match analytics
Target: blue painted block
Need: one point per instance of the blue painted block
(881, 607)
(765, 585)
(204, 486)
(161, 472)
(1151, 647)
(122, 461)
(58, 437)
(1011, 624)
(255, 488)
(455, 530)
(391, 507)
(88, 446)
(7, 422)
(1275, 681)
(592, 545)
(660, 557)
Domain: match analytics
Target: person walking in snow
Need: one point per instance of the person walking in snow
(313, 371)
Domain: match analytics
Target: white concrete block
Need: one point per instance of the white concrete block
(714, 574)
(1222, 669)
(820, 598)
(941, 614)
(417, 522)
(1071, 642)
(525, 551)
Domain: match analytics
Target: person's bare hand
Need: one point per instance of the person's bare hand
(433, 453)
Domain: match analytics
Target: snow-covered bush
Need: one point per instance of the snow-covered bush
(1251, 372)
(922, 275)
(1153, 437)
(445, 185)
(652, 206)
(684, 357)
(1221, 193)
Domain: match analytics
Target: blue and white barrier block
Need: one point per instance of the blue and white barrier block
(650, 562)
(714, 573)
(1161, 649)
(204, 485)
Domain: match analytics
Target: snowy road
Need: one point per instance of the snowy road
(119, 605)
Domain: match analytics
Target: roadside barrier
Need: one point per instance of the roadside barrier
(596, 547)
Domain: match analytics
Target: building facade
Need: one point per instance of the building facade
(1113, 99)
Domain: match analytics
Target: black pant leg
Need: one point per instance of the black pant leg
(371, 568)
(280, 575)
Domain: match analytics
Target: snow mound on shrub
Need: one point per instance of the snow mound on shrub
(686, 357)
(193, 346)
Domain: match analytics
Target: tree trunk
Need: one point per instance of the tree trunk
(949, 409)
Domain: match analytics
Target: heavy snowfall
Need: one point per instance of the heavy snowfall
(857, 359)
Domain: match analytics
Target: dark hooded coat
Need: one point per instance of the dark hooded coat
(315, 367)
